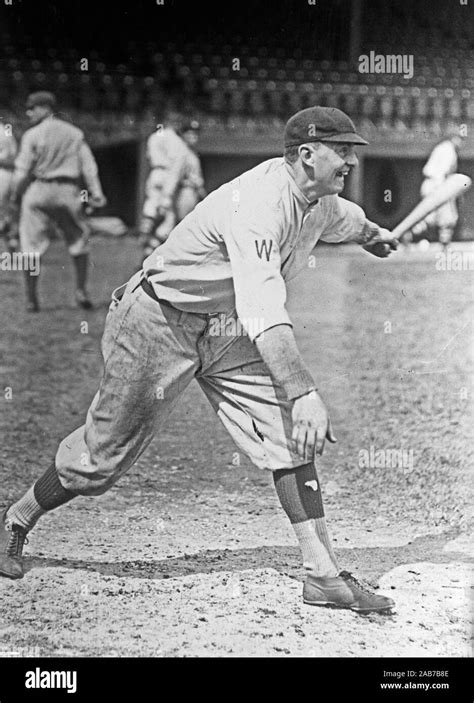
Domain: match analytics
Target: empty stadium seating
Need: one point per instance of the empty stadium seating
(262, 83)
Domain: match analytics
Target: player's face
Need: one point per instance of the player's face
(37, 113)
(333, 161)
(191, 138)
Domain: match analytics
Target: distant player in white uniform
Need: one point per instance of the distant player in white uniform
(53, 163)
(8, 222)
(167, 155)
(192, 189)
(443, 162)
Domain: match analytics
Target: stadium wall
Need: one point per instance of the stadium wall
(376, 175)
(391, 188)
(387, 187)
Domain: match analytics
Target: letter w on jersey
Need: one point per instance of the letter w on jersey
(264, 244)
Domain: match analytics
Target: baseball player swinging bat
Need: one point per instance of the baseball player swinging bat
(453, 187)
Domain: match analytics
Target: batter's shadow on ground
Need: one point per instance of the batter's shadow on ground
(369, 563)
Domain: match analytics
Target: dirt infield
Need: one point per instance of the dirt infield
(190, 555)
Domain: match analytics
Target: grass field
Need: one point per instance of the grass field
(190, 554)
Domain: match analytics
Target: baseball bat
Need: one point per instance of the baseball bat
(454, 186)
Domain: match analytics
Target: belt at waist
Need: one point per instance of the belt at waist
(149, 290)
(59, 179)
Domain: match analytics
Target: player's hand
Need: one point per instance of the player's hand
(160, 215)
(166, 203)
(381, 243)
(311, 425)
(381, 249)
(97, 201)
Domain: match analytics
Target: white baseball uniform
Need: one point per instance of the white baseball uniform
(442, 162)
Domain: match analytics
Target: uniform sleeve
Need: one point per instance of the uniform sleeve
(435, 164)
(8, 150)
(149, 151)
(196, 173)
(89, 169)
(441, 163)
(253, 243)
(155, 149)
(345, 222)
(176, 168)
(26, 159)
(200, 174)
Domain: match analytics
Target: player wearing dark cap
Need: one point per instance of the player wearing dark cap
(210, 305)
(53, 163)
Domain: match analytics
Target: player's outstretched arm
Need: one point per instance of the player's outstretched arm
(311, 424)
(347, 222)
(18, 186)
(90, 173)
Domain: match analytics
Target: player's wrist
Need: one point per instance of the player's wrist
(312, 394)
(370, 231)
(298, 384)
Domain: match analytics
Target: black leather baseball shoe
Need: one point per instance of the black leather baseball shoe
(344, 591)
(12, 539)
(82, 299)
(32, 305)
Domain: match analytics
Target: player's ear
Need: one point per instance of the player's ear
(306, 154)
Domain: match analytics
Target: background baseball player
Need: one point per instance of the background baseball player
(53, 162)
(8, 218)
(167, 154)
(443, 161)
(191, 189)
(229, 259)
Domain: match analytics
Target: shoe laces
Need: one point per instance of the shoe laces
(18, 539)
(347, 576)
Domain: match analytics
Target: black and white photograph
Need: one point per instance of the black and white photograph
(236, 344)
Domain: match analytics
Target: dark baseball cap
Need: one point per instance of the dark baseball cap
(321, 124)
(41, 97)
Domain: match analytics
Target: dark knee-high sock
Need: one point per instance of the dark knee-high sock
(300, 497)
(81, 265)
(46, 494)
(31, 284)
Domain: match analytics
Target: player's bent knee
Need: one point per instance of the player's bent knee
(91, 487)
